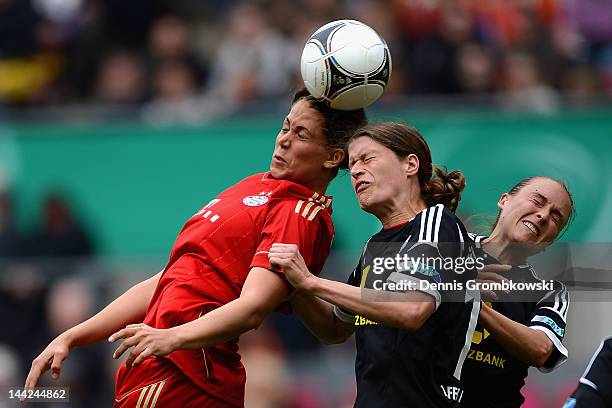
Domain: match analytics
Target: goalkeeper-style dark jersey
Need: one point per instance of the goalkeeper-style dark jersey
(399, 368)
(595, 387)
(491, 376)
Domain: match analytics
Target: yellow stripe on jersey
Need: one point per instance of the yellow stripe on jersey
(364, 275)
(149, 395)
(142, 394)
(314, 212)
(306, 209)
(161, 385)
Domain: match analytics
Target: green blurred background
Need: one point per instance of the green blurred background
(135, 185)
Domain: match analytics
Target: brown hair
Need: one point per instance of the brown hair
(522, 183)
(438, 186)
(339, 125)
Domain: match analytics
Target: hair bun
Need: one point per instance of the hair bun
(445, 188)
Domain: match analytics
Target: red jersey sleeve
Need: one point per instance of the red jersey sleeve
(312, 234)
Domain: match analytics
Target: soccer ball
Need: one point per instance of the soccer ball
(347, 64)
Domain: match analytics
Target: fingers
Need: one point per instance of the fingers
(489, 295)
(34, 374)
(136, 351)
(146, 353)
(284, 247)
(495, 268)
(124, 346)
(56, 365)
(126, 332)
(491, 277)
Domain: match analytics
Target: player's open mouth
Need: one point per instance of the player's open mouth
(360, 186)
(532, 227)
(278, 158)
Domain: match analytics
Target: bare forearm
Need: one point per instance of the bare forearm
(128, 308)
(218, 326)
(404, 310)
(317, 315)
(530, 346)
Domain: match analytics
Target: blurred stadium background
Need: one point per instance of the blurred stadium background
(118, 120)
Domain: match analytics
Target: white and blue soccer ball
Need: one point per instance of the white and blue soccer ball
(347, 64)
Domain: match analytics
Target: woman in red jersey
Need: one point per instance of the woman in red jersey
(221, 258)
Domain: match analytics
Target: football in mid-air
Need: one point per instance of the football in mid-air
(347, 64)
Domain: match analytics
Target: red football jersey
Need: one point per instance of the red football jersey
(213, 255)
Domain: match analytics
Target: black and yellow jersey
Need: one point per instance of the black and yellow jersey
(491, 376)
(595, 387)
(399, 368)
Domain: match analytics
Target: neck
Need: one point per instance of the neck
(508, 253)
(401, 211)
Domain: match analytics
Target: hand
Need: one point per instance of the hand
(50, 358)
(287, 257)
(492, 274)
(145, 342)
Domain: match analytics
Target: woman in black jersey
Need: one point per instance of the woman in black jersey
(520, 328)
(594, 388)
(406, 300)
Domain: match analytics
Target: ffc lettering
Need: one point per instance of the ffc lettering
(452, 393)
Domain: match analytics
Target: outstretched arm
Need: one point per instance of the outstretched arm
(128, 308)
(263, 290)
(318, 316)
(407, 310)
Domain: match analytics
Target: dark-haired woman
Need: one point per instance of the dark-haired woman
(218, 282)
(519, 329)
(413, 333)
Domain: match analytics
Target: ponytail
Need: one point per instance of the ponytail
(443, 188)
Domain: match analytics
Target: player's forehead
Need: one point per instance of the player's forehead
(364, 144)
(548, 190)
(303, 114)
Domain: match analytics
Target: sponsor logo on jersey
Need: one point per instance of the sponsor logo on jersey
(255, 201)
(570, 403)
(487, 358)
(362, 321)
(551, 323)
(479, 336)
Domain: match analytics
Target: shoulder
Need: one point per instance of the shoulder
(477, 238)
(437, 224)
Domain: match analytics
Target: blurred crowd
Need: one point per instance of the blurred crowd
(190, 61)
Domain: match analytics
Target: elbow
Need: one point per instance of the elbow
(254, 320)
(541, 354)
(412, 319)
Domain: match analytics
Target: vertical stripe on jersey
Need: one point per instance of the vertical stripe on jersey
(429, 227)
(437, 226)
(468, 334)
(431, 219)
(422, 229)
